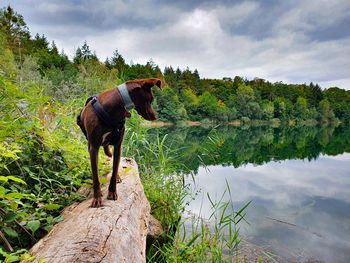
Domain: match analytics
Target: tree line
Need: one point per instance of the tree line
(187, 96)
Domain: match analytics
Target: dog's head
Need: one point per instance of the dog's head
(141, 94)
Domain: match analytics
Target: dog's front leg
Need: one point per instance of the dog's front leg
(97, 201)
(112, 189)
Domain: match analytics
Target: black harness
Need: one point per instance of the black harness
(103, 115)
(116, 128)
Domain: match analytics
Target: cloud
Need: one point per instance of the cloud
(291, 41)
(310, 16)
(312, 195)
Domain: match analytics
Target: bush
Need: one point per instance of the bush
(42, 162)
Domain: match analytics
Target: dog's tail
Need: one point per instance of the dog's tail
(80, 124)
(107, 150)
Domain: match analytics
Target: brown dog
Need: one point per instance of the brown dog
(100, 133)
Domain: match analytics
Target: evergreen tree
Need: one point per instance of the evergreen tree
(315, 95)
(53, 48)
(78, 58)
(117, 61)
(14, 27)
(108, 64)
(39, 42)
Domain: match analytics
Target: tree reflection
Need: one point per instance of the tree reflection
(236, 146)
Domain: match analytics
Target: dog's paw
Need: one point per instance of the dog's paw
(96, 202)
(112, 195)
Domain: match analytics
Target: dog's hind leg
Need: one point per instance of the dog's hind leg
(97, 200)
(112, 188)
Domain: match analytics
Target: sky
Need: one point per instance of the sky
(292, 41)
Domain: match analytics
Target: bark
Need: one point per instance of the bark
(115, 232)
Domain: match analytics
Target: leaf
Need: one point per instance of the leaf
(2, 191)
(52, 207)
(14, 205)
(12, 196)
(10, 232)
(33, 225)
(3, 253)
(48, 228)
(3, 178)
(16, 179)
(10, 217)
(27, 256)
(58, 219)
(11, 258)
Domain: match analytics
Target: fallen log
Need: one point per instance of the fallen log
(115, 232)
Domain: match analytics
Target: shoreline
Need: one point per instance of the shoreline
(239, 123)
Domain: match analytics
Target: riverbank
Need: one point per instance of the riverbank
(238, 123)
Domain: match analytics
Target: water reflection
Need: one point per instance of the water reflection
(298, 179)
(300, 209)
(236, 146)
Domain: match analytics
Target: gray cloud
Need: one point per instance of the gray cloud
(292, 41)
(307, 202)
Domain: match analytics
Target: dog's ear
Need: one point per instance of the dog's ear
(149, 83)
(146, 84)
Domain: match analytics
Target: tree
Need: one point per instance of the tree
(7, 61)
(266, 88)
(170, 78)
(190, 101)
(189, 79)
(315, 95)
(117, 61)
(340, 102)
(325, 111)
(14, 27)
(84, 54)
(280, 108)
(169, 107)
(254, 110)
(207, 105)
(300, 109)
(53, 48)
(39, 42)
(268, 110)
(78, 56)
(245, 101)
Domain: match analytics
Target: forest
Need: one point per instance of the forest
(43, 157)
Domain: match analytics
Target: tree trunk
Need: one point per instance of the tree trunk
(115, 232)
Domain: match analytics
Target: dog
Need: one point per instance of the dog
(102, 121)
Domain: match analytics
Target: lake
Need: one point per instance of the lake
(298, 179)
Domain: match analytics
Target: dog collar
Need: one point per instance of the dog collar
(124, 93)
